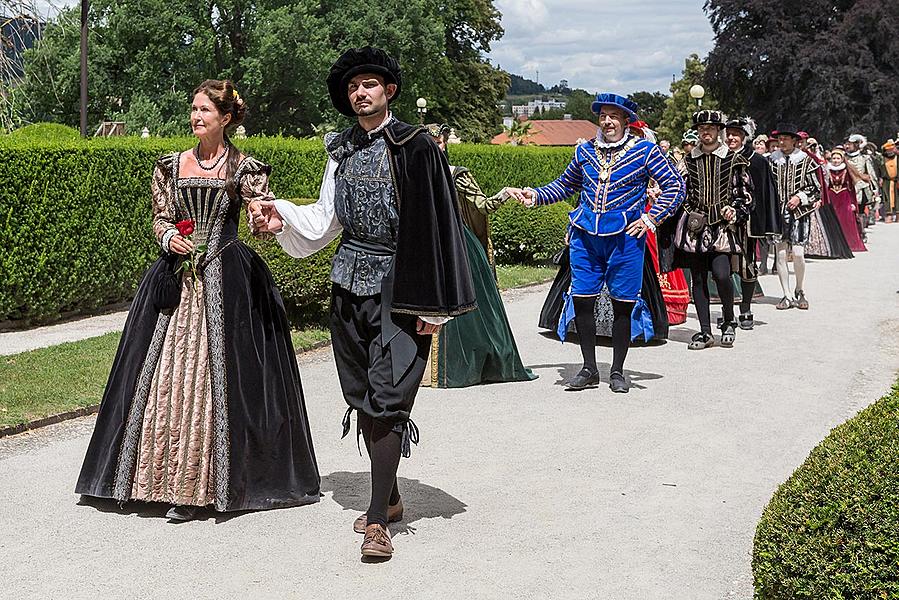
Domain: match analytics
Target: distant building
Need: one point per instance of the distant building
(535, 106)
(17, 34)
(555, 132)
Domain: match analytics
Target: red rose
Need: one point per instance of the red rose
(185, 227)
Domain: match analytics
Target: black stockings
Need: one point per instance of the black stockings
(585, 320)
(719, 266)
(384, 448)
(747, 290)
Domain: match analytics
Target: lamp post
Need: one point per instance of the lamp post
(85, 9)
(697, 92)
(422, 105)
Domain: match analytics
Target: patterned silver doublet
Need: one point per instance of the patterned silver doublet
(365, 203)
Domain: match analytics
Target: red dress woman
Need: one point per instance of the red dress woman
(841, 195)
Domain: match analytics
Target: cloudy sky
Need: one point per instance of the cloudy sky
(601, 44)
(595, 44)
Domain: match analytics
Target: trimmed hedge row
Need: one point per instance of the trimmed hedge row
(830, 531)
(75, 216)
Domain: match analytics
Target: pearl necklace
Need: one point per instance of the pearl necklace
(217, 161)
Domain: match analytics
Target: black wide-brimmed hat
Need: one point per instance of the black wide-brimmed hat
(788, 129)
(709, 117)
(361, 60)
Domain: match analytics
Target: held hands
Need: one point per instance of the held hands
(525, 196)
(265, 217)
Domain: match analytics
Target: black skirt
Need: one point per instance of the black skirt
(261, 447)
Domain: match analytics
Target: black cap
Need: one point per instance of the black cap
(708, 117)
(361, 60)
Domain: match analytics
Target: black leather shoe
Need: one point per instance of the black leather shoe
(182, 513)
(584, 379)
(617, 383)
(747, 321)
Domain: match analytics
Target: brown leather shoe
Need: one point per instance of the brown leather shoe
(394, 515)
(377, 542)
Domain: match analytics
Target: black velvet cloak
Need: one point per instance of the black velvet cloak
(765, 217)
(431, 276)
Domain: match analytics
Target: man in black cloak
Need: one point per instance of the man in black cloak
(399, 272)
(765, 221)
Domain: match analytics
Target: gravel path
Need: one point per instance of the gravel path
(517, 490)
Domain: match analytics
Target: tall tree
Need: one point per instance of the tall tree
(829, 66)
(677, 116)
(652, 105)
(147, 55)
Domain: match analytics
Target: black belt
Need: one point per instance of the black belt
(366, 246)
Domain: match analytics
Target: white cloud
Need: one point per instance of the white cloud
(601, 45)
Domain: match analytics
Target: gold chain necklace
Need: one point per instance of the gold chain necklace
(607, 161)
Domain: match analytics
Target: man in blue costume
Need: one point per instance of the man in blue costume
(610, 174)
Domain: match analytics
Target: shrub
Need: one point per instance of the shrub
(528, 235)
(46, 132)
(75, 230)
(830, 529)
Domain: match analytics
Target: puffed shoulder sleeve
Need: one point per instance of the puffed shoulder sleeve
(254, 187)
(161, 197)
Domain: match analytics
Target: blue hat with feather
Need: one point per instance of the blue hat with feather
(628, 106)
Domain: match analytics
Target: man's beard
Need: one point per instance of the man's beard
(366, 111)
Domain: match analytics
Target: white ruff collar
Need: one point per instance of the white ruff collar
(610, 145)
(834, 167)
(795, 157)
(383, 124)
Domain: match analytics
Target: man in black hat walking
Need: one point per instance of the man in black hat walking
(710, 233)
(399, 272)
(799, 190)
(765, 220)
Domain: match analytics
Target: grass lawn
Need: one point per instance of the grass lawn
(54, 380)
(517, 275)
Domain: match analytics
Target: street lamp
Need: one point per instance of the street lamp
(422, 105)
(697, 92)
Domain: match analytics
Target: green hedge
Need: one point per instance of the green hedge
(75, 231)
(832, 530)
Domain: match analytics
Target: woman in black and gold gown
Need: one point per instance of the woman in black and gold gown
(203, 406)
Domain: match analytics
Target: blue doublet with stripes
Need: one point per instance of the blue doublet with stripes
(611, 196)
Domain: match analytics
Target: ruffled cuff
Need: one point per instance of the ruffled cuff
(167, 239)
(646, 219)
(436, 320)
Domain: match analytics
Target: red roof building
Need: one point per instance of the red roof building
(555, 133)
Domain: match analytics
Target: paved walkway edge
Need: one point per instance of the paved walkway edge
(51, 420)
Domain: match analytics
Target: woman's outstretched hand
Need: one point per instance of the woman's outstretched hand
(265, 216)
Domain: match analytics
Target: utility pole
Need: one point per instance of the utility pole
(85, 7)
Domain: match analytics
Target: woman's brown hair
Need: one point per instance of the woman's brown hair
(228, 102)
